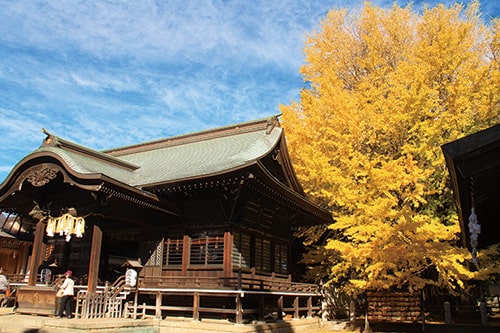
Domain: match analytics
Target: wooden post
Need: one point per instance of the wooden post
(483, 310)
(85, 307)
(422, 308)
(309, 307)
(352, 309)
(367, 328)
(196, 306)
(228, 254)
(296, 314)
(24, 257)
(136, 299)
(280, 308)
(36, 254)
(95, 257)
(239, 286)
(186, 247)
(447, 313)
(239, 310)
(261, 307)
(158, 305)
(105, 302)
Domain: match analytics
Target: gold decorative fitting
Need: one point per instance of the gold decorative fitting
(41, 177)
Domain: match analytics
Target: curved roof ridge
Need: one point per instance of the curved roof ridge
(219, 132)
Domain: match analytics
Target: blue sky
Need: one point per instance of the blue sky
(108, 73)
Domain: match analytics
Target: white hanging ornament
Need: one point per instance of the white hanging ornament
(474, 230)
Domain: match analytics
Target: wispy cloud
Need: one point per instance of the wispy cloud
(110, 73)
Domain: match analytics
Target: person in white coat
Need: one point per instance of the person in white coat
(4, 282)
(67, 296)
(4, 287)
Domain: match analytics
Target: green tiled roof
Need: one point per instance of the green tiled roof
(169, 160)
(201, 158)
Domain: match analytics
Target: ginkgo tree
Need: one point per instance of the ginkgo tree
(385, 89)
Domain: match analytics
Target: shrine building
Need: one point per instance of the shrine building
(206, 219)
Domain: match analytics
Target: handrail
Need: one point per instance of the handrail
(58, 281)
(239, 282)
(13, 278)
(119, 281)
(118, 287)
(225, 283)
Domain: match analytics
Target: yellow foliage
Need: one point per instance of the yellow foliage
(387, 88)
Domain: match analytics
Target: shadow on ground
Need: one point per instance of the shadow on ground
(493, 327)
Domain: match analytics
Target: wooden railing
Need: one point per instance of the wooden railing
(239, 297)
(22, 279)
(19, 278)
(240, 283)
(106, 302)
(235, 297)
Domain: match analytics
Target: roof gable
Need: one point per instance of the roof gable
(172, 159)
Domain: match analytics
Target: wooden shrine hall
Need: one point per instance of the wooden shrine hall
(205, 219)
(474, 166)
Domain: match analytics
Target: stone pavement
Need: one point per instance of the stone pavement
(433, 328)
(11, 322)
(493, 327)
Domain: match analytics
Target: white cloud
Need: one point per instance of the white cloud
(84, 83)
(165, 31)
(109, 73)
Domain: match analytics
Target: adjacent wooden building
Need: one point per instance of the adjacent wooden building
(474, 166)
(208, 214)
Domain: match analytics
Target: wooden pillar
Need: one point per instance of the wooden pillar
(186, 247)
(296, 314)
(196, 306)
(228, 254)
(158, 305)
(309, 307)
(262, 304)
(280, 308)
(447, 313)
(36, 254)
(483, 310)
(24, 259)
(136, 299)
(95, 258)
(239, 310)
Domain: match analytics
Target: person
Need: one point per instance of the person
(4, 286)
(67, 296)
(4, 282)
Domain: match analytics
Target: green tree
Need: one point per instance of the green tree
(386, 88)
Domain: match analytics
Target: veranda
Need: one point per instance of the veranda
(242, 299)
